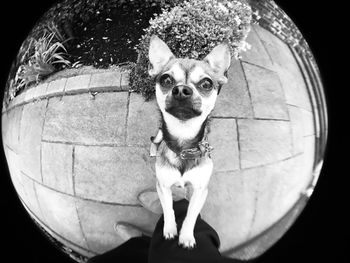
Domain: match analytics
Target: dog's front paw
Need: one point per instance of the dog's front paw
(187, 240)
(170, 231)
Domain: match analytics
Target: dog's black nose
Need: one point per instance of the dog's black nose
(182, 92)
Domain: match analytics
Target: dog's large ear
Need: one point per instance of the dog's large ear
(219, 60)
(159, 55)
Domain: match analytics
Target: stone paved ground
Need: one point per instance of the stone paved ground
(79, 160)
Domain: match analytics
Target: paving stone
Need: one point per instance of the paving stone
(82, 251)
(267, 239)
(279, 188)
(289, 72)
(15, 117)
(308, 122)
(266, 93)
(13, 163)
(125, 80)
(11, 124)
(309, 154)
(56, 87)
(106, 79)
(31, 214)
(297, 126)
(30, 138)
(5, 123)
(287, 68)
(19, 99)
(262, 142)
(24, 186)
(112, 174)
(143, 120)
(30, 198)
(60, 214)
(98, 221)
(279, 51)
(40, 90)
(17, 184)
(223, 138)
(81, 119)
(253, 198)
(257, 54)
(294, 88)
(233, 100)
(57, 163)
(304, 80)
(230, 203)
(29, 95)
(78, 83)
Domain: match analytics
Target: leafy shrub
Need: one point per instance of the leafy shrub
(192, 29)
(45, 54)
(73, 11)
(40, 54)
(27, 48)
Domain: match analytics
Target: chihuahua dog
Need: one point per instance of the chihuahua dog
(186, 91)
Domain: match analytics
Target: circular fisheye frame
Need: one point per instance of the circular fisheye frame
(80, 106)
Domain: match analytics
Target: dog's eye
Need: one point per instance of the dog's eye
(166, 81)
(206, 84)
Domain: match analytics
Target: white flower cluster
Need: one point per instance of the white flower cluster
(194, 27)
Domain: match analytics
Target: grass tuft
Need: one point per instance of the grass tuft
(40, 58)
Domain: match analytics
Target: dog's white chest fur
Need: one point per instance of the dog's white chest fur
(198, 176)
(183, 130)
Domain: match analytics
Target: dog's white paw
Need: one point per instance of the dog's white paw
(187, 240)
(170, 231)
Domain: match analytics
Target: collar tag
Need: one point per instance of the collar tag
(205, 147)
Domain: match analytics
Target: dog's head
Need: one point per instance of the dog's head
(187, 88)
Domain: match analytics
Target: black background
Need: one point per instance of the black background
(319, 234)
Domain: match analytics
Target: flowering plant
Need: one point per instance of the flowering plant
(192, 29)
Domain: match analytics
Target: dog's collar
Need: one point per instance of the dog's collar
(202, 150)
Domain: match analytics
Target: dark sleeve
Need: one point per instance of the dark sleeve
(168, 251)
(134, 250)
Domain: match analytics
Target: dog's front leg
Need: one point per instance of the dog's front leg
(166, 178)
(199, 178)
(186, 238)
(166, 200)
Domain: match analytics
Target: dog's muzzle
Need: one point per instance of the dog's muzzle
(182, 92)
(180, 103)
